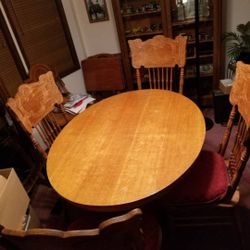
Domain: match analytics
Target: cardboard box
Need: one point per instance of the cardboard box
(14, 200)
(226, 85)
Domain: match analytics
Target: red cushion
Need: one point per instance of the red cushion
(205, 181)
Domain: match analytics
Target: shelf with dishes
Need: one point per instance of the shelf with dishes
(204, 53)
(141, 14)
(143, 34)
(188, 22)
(137, 9)
(146, 18)
(193, 42)
(205, 35)
(206, 70)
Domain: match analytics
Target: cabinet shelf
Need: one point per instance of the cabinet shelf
(201, 56)
(152, 33)
(162, 21)
(142, 14)
(177, 24)
(202, 75)
(206, 56)
(201, 41)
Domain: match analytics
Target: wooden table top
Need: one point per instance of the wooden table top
(124, 150)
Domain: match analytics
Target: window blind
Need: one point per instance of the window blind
(42, 33)
(12, 72)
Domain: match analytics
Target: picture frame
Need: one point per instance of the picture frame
(97, 10)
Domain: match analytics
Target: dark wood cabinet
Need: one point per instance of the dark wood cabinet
(144, 19)
(137, 19)
(202, 26)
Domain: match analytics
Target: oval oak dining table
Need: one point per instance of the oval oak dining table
(126, 150)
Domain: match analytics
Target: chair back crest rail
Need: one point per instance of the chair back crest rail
(33, 107)
(121, 232)
(39, 69)
(163, 58)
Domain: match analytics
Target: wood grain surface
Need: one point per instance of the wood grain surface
(124, 150)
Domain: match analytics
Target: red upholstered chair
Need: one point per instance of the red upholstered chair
(214, 177)
(128, 231)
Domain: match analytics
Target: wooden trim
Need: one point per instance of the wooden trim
(123, 44)
(168, 17)
(217, 29)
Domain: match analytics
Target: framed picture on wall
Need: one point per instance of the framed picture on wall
(97, 10)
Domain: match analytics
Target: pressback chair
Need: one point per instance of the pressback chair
(39, 69)
(238, 129)
(34, 108)
(159, 61)
(123, 232)
(214, 177)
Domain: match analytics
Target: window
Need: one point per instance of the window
(11, 70)
(42, 34)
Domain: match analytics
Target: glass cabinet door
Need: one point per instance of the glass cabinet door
(200, 44)
(141, 18)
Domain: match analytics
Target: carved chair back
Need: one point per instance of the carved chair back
(159, 61)
(34, 108)
(236, 140)
(39, 69)
(118, 233)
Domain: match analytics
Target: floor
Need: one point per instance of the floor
(230, 228)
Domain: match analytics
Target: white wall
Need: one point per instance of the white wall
(74, 82)
(101, 37)
(89, 38)
(98, 37)
(234, 13)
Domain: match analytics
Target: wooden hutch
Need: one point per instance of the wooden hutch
(145, 18)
